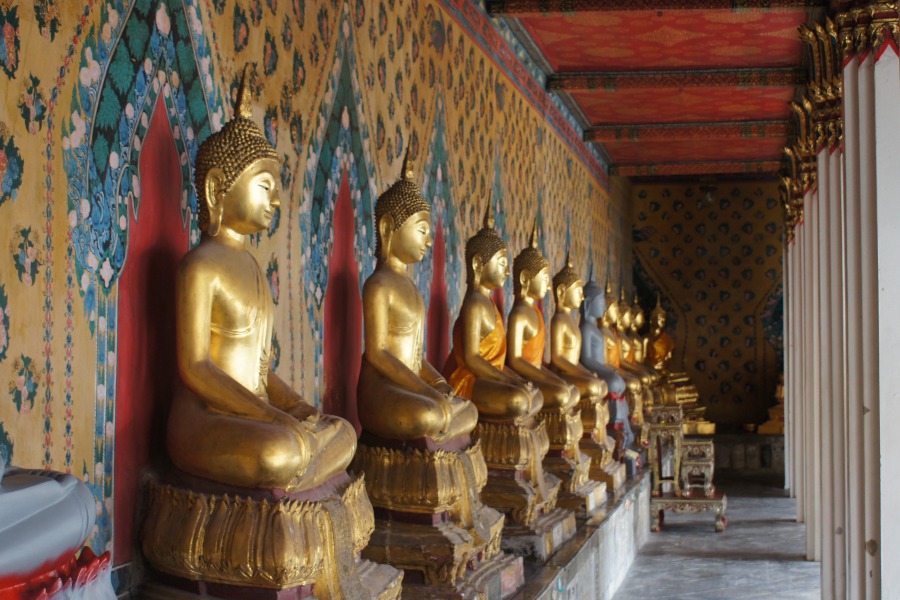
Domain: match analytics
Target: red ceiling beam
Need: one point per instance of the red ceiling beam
(540, 8)
(611, 81)
(767, 167)
(726, 130)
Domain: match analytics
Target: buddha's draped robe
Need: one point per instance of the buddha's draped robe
(492, 348)
(533, 349)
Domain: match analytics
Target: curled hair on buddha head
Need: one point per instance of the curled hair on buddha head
(232, 149)
(566, 278)
(529, 261)
(400, 201)
(485, 244)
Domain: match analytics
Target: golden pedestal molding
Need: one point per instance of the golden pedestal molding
(430, 520)
(270, 543)
(578, 491)
(596, 445)
(518, 486)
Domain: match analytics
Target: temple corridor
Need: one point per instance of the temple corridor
(761, 553)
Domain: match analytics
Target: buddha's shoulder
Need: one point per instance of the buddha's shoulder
(208, 259)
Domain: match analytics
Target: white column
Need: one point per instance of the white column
(813, 392)
(787, 297)
(869, 289)
(837, 349)
(855, 494)
(823, 363)
(799, 284)
(885, 410)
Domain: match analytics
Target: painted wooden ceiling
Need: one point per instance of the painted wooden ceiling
(677, 87)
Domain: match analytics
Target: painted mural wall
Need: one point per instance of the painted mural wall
(103, 107)
(714, 254)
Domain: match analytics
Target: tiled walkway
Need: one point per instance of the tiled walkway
(760, 554)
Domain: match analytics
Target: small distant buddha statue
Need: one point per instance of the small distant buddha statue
(416, 448)
(511, 432)
(678, 386)
(565, 361)
(597, 349)
(610, 322)
(240, 437)
(526, 339)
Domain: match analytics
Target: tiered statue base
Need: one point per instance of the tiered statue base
(518, 487)
(578, 492)
(230, 542)
(599, 447)
(430, 522)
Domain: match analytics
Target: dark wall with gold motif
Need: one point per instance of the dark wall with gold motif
(714, 254)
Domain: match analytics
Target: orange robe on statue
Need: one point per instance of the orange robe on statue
(492, 348)
(612, 352)
(660, 349)
(533, 349)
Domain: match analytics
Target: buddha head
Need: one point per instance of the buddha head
(637, 315)
(237, 174)
(568, 289)
(531, 271)
(623, 323)
(657, 317)
(594, 302)
(611, 316)
(402, 220)
(487, 256)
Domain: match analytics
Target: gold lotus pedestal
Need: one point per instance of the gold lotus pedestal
(217, 541)
(578, 492)
(430, 521)
(518, 487)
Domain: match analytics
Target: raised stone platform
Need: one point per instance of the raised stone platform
(593, 564)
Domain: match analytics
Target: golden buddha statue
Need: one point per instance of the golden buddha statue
(565, 361)
(416, 448)
(526, 339)
(677, 386)
(511, 432)
(244, 442)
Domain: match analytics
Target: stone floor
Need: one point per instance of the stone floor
(760, 554)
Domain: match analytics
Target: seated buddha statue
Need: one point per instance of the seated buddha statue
(632, 348)
(597, 347)
(678, 385)
(476, 366)
(401, 396)
(415, 447)
(511, 432)
(526, 339)
(565, 355)
(236, 429)
(610, 322)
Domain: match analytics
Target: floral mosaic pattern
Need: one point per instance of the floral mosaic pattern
(4, 323)
(23, 387)
(9, 38)
(26, 257)
(11, 166)
(715, 258)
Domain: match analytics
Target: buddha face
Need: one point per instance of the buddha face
(658, 321)
(495, 271)
(412, 240)
(249, 204)
(612, 313)
(573, 296)
(637, 321)
(538, 285)
(595, 308)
